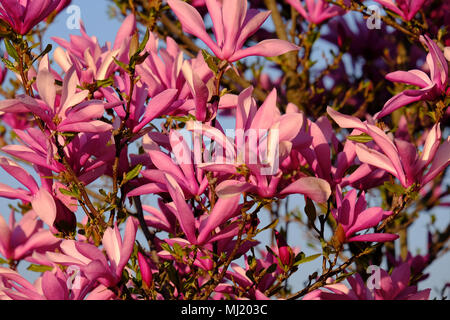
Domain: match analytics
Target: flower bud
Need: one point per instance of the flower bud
(285, 252)
(146, 272)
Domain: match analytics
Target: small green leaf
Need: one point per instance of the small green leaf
(144, 41)
(271, 225)
(105, 83)
(210, 61)
(3, 261)
(39, 268)
(344, 276)
(394, 188)
(122, 65)
(9, 64)
(308, 259)
(70, 193)
(11, 50)
(363, 137)
(133, 173)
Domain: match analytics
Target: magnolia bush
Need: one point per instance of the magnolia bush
(160, 165)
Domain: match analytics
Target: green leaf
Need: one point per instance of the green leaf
(210, 61)
(178, 250)
(39, 268)
(9, 64)
(105, 83)
(344, 276)
(3, 261)
(394, 188)
(144, 41)
(133, 173)
(70, 193)
(122, 65)
(308, 259)
(363, 137)
(271, 225)
(166, 247)
(11, 50)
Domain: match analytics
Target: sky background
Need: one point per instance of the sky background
(97, 22)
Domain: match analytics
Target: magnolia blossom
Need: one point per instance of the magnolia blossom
(404, 8)
(352, 217)
(23, 15)
(51, 286)
(69, 112)
(90, 60)
(233, 23)
(431, 87)
(317, 11)
(391, 287)
(400, 157)
(92, 262)
(19, 239)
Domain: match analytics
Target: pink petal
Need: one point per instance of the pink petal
(192, 23)
(223, 210)
(265, 48)
(232, 188)
(53, 287)
(44, 206)
(184, 213)
(374, 237)
(314, 188)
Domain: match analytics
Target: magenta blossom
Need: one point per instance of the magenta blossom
(53, 285)
(399, 157)
(431, 87)
(233, 23)
(391, 287)
(92, 261)
(317, 11)
(66, 113)
(351, 214)
(406, 9)
(23, 15)
(18, 240)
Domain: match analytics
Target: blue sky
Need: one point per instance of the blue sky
(95, 17)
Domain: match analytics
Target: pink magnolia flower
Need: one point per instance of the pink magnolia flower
(182, 168)
(199, 231)
(18, 240)
(351, 214)
(263, 138)
(406, 9)
(317, 11)
(23, 15)
(318, 156)
(49, 208)
(50, 286)
(431, 87)
(66, 113)
(233, 25)
(391, 287)
(92, 261)
(400, 157)
(90, 60)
